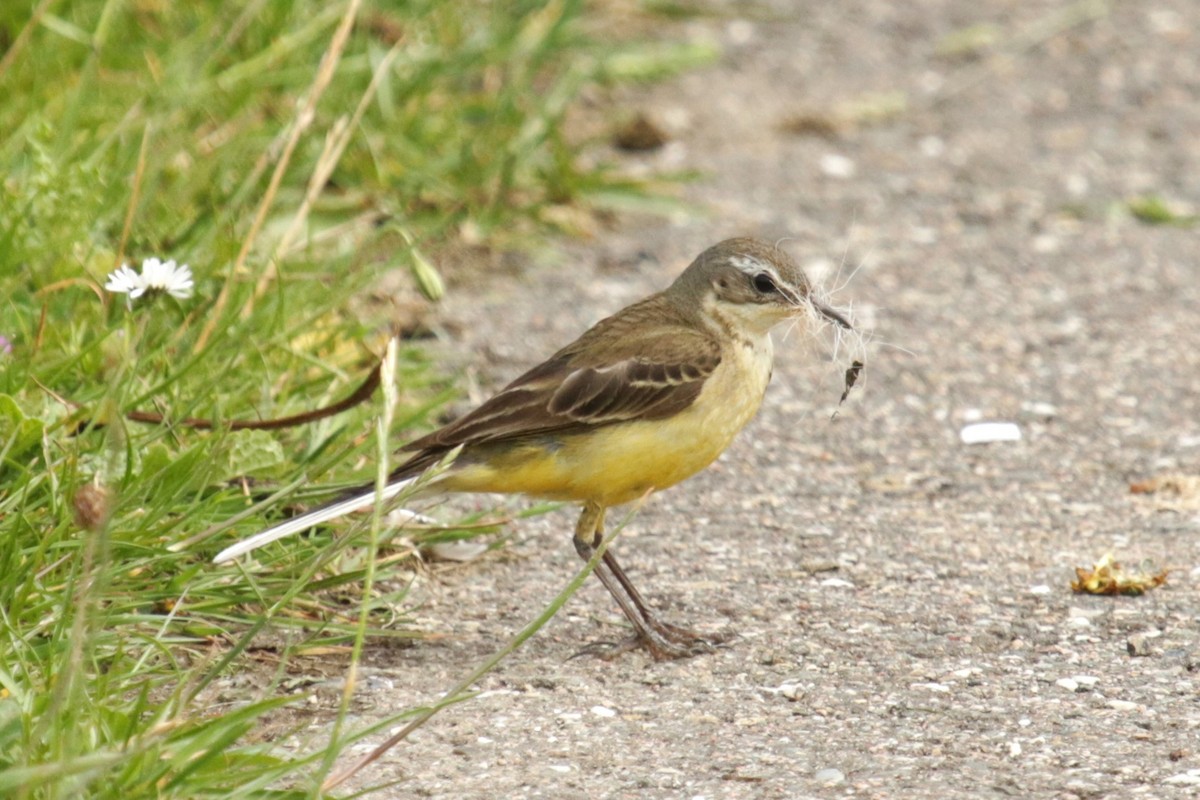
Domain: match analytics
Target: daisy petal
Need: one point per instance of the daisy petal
(125, 281)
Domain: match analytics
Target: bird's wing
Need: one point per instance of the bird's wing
(639, 376)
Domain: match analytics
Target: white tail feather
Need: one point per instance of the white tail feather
(308, 520)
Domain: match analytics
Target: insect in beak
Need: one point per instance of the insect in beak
(831, 315)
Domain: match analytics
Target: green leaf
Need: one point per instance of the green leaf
(1153, 210)
(18, 432)
(249, 453)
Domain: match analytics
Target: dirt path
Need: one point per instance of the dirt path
(907, 626)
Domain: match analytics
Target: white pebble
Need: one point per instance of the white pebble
(988, 432)
(460, 550)
(1040, 409)
(837, 166)
(933, 687)
(837, 583)
(1014, 749)
(1068, 684)
(1122, 705)
(829, 776)
(1189, 778)
(603, 711)
(1041, 588)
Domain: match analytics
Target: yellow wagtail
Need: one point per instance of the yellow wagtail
(647, 397)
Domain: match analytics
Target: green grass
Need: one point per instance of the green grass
(138, 128)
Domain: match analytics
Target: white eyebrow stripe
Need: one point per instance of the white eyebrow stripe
(748, 264)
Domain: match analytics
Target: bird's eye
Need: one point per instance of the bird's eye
(763, 283)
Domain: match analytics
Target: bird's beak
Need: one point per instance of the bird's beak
(831, 315)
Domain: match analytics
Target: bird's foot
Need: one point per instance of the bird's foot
(663, 641)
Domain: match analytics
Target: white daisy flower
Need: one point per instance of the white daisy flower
(157, 276)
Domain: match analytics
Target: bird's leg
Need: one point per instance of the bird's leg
(674, 633)
(662, 640)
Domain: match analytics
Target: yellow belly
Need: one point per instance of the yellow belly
(620, 462)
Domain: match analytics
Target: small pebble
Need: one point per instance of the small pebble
(1014, 749)
(829, 776)
(837, 166)
(933, 687)
(1068, 684)
(1041, 588)
(1138, 645)
(791, 691)
(1189, 778)
(603, 711)
(1039, 409)
(1122, 705)
(837, 583)
(989, 432)
(461, 550)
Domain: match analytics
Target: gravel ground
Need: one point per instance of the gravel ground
(906, 623)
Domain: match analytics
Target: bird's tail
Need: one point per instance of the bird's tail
(357, 499)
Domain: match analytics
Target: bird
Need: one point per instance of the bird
(641, 401)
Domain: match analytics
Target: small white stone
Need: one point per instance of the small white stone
(603, 711)
(791, 691)
(461, 550)
(1046, 243)
(1122, 705)
(1040, 409)
(1068, 684)
(560, 768)
(1086, 680)
(1040, 588)
(837, 583)
(838, 166)
(933, 687)
(988, 432)
(1014, 749)
(829, 776)
(1189, 778)
(1024, 722)
(1079, 622)
(379, 683)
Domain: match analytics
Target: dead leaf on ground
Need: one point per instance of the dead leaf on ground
(1171, 490)
(640, 134)
(1108, 577)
